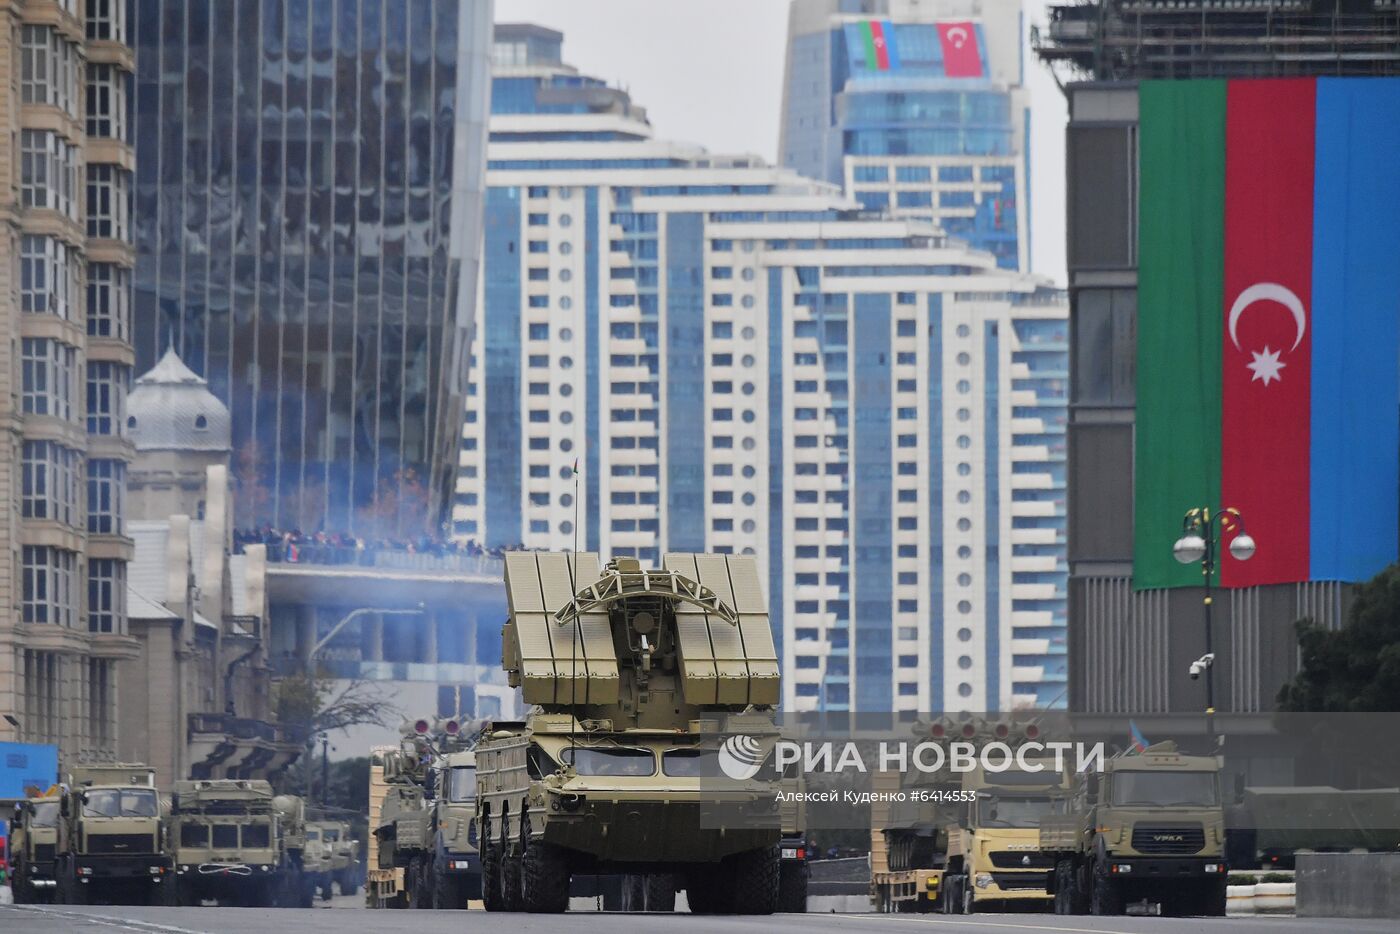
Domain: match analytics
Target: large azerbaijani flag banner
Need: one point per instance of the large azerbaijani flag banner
(1268, 370)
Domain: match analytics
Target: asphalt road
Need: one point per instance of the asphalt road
(331, 920)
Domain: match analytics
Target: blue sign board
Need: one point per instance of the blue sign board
(26, 765)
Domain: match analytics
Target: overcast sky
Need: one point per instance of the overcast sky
(711, 72)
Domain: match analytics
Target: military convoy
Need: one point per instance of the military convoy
(236, 843)
(110, 840)
(1148, 833)
(648, 687)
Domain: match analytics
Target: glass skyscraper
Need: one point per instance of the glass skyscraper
(739, 359)
(307, 208)
(917, 109)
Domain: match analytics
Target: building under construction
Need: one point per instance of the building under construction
(1119, 40)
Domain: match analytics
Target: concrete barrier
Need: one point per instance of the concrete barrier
(1348, 885)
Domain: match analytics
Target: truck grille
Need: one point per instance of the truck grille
(1014, 860)
(1020, 881)
(119, 843)
(43, 852)
(1169, 839)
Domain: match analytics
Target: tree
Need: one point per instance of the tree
(399, 508)
(1356, 668)
(310, 703)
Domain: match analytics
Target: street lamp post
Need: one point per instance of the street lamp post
(1201, 534)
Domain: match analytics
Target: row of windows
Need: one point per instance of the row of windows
(50, 589)
(49, 377)
(48, 172)
(48, 276)
(50, 474)
(50, 69)
(106, 102)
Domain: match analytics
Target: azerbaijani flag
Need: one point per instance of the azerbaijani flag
(1268, 333)
(1139, 742)
(877, 36)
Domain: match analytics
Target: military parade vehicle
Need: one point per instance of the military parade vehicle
(426, 825)
(1148, 832)
(319, 861)
(33, 840)
(961, 841)
(237, 843)
(110, 843)
(345, 855)
(648, 749)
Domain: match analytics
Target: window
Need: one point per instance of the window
(106, 101)
(873, 173)
(106, 201)
(108, 300)
(49, 591)
(912, 173)
(48, 276)
(106, 398)
(539, 332)
(106, 20)
(106, 595)
(49, 482)
(916, 199)
(48, 172)
(106, 482)
(49, 373)
(49, 69)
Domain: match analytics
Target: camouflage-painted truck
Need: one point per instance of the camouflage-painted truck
(238, 844)
(111, 842)
(1148, 830)
(33, 840)
(649, 686)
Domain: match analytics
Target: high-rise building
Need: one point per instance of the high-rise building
(689, 352)
(918, 108)
(307, 207)
(1134, 635)
(65, 224)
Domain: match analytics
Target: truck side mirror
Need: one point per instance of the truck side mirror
(1239, 788)
(64, 808)
(1092, 786)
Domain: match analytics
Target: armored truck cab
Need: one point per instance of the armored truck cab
(233, 844)
(1150, 828)
(111, 839)
(33, 840)
(647, 751)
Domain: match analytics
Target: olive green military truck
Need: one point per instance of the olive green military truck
(648, 752)
(110, 844)
(345, 855)
(238, 844)
(33, 839)
(320, 860)
(1148, 832)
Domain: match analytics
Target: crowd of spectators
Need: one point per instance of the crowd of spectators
(298, 547)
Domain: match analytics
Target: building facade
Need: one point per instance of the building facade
(1131, 647)
(65, 308)
(308, 207)
(916, 108)
(688, 352)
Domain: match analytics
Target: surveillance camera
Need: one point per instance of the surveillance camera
(1195, 670)
(1200, 665)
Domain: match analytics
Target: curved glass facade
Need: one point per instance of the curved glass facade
(307, 232)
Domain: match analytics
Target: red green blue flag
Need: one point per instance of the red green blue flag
(877, 36)
(1268, 331)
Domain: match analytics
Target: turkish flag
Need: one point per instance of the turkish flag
(961, 57)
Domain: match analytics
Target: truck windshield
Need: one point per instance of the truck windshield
(691, 763)
(1165, 789)
(461, 783)
(611, 761)
(313, 835)
(194, 835)
(134, 802)
(45, 815)
(331, 834)
(256, 836)
(1002, 811)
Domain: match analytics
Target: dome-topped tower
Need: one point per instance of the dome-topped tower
(172, 409)
(180, 430)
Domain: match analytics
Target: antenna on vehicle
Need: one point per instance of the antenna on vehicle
(578, 633)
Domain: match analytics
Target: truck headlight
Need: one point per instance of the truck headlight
(983, 880)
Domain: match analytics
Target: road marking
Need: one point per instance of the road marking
(130, 924)
(980, 924)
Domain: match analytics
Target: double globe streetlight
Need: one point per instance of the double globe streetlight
(1201, 533)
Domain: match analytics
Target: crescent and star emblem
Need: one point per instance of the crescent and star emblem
(1266, 365)
(957, 35)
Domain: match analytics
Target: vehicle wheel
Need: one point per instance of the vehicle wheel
(422, 896)
(490, 869)
(1105, 899)
(446, 889)
(1210, 902)
(660, 890)
(706, 891)
(952, 894)
(77, 892)
(792, 886)
(545, 871)
(753, 878)
(969, 905)
(510, 875)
